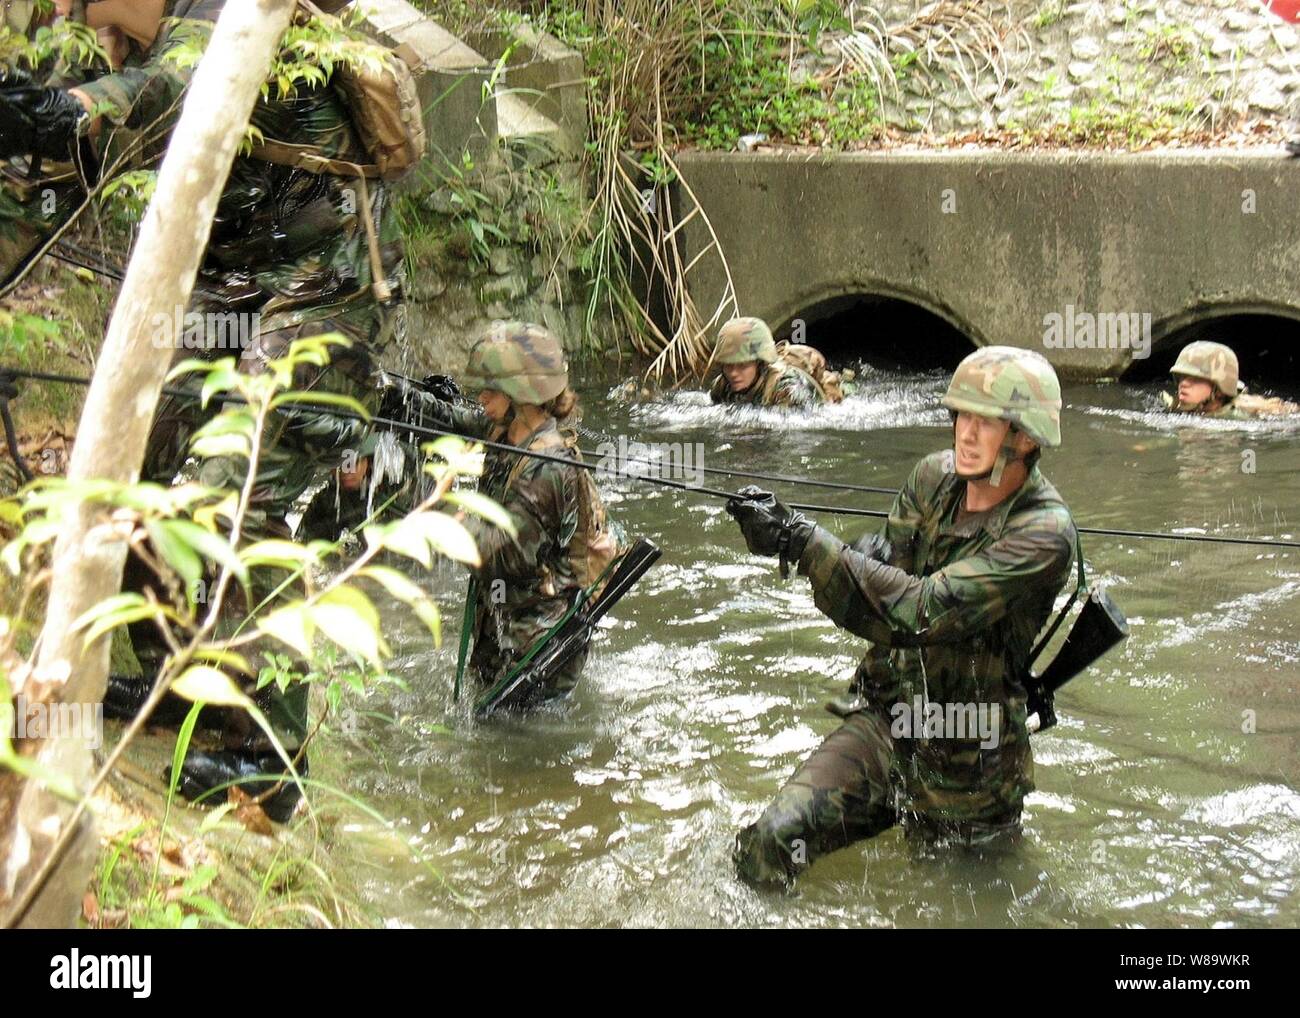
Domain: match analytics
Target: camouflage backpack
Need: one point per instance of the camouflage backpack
(812, 363)
(384, 105)
(1264, 406)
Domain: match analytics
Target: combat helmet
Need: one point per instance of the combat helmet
(1013, 385)
(523, 360)
(1212, 362)
(743, 340)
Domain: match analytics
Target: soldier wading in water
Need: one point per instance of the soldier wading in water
(752, 372)
(1209, 385)
(527, 583)
(951, 596)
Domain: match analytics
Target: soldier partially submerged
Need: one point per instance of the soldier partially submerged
(753, 374)
(951, 596)
(526, 583)
(1209, 385)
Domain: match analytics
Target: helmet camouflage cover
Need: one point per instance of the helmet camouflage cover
(1213, 362)
(743, 340)
(522, 360)
(1013, 385)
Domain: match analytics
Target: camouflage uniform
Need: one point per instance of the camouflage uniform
(745, 340)
(525, 584)
(288, 246)
(1217, 364)
(951, 602)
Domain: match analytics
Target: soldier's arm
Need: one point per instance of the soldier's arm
(543, 506)
(794, 391)
(469, 421)
(891, 606)
(834, 590)
(148, 97)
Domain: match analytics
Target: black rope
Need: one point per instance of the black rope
(423, 429)
(11, 440)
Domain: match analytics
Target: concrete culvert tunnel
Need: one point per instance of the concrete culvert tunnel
(883, 332)
(1267, 346)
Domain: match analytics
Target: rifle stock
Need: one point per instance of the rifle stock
(558, 647)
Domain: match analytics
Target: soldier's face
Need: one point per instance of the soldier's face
(354, 479)
(740, 376)
(1194, 391)
(495, 404)
(976, 443)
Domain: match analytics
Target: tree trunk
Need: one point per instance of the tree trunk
(115, 426)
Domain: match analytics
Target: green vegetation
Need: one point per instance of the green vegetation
(327, 628)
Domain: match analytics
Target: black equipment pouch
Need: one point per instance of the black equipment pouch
(1100, 626)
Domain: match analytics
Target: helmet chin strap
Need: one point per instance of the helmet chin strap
(1006, 456)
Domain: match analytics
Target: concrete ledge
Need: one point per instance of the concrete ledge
(994, 242)
(545, 74)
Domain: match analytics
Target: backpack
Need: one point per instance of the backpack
(385, 109)
(812, 363)
(1264, 406)
(594, 545)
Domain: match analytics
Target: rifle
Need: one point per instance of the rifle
(1100, 626)
(569, 636)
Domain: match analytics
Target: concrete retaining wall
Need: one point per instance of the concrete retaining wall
(995, 242)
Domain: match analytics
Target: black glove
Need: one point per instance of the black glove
(413, 403)
(443, 387)
(8, 386)
(770, 528)
(37, 122)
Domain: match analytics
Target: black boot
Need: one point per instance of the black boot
(204, 771)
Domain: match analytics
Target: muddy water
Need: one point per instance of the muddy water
(1168, 796)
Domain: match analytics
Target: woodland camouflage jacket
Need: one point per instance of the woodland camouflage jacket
(951, 616)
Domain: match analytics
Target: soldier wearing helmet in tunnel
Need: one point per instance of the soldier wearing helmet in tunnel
(752, 372)
(951, 596)
(1208, 384)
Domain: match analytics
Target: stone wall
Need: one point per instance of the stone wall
(1213, 62)
(519, 269)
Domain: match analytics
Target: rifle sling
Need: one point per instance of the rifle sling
(1061, 615)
